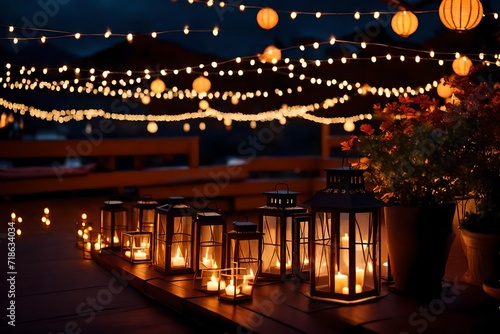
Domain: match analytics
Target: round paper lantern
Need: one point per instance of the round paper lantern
(267, 18)
(157, 86)
(349, 126)
(146, 99)
(444, 89)
(462, 65)
(201, 84)
(404, 23)
(271, 54)
(460, 15)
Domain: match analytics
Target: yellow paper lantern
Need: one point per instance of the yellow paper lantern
(201, 84)
(157, 86)
(444, 89)
(462, 65)
(460, 15)
(271, 54)
(404, 23)
(267, 18)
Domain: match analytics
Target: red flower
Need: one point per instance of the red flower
(367, 128)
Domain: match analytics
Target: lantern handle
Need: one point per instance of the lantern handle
(284, 184)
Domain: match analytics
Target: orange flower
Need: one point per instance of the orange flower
(367, 128)
(348, 144)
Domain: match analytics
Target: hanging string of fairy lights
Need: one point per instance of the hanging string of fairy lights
(63, 116)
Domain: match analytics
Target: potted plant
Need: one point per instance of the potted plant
(422, 158)
(476, 119)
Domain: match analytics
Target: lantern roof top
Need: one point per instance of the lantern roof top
(245, 226)
(345, 190)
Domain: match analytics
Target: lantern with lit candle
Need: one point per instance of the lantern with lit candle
(210, 224)
(83, 229)
(245, 246)
(173, 237)
(209, 280)
(236, 284)
(113, 222)
(136, 246)
(143, 215)
(276, 222)
(345, 245)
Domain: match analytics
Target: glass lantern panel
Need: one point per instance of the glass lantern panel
(289, 242)
(161, 242)
(304, 245)
(181, 243)
(120, 225)
(343, 261)
(272, 241)
(365, 250)
(245, 255)
(210, 246)
(322, 251)
(146, 216)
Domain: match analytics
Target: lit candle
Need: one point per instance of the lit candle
(87, 246)
(360, 276)
(344, 241)
(127, 254)
(345, 290)
(358, 288)
(140, 255)
(116, 240)
(97, 246)
(340, 282)
(231, 290)
(178, 260)
(213, 284)
(207, 262)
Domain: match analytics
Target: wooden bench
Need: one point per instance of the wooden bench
(58, 177)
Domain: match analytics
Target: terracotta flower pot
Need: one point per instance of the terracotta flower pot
(419, 240)
(482, 252)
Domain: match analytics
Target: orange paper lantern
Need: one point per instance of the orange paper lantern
(404, 23)
(201, 84)
(462, 65)
(267, 18)
(271, 54)
(460, 15)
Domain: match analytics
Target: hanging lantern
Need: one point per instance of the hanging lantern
(210, 227)
(152, 127)
(462, 65)
(173, 239)
(136, 246)
(157, 86)
(444, 89)
(460, 15)
(267, 18)
(404, 23)
(201, 85)
(271, 55)
(245, 247)
(143, 215)
(276, 222)
(345, 249)
(113, 223)
(203, 105)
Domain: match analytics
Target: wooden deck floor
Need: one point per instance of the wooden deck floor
(59, 292)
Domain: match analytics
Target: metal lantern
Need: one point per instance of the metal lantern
(276, 222)
(345, 239)
(210, 227)
(136, 246)
(245, 247)
(143, 215)
(173, 238)
(113, 222)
